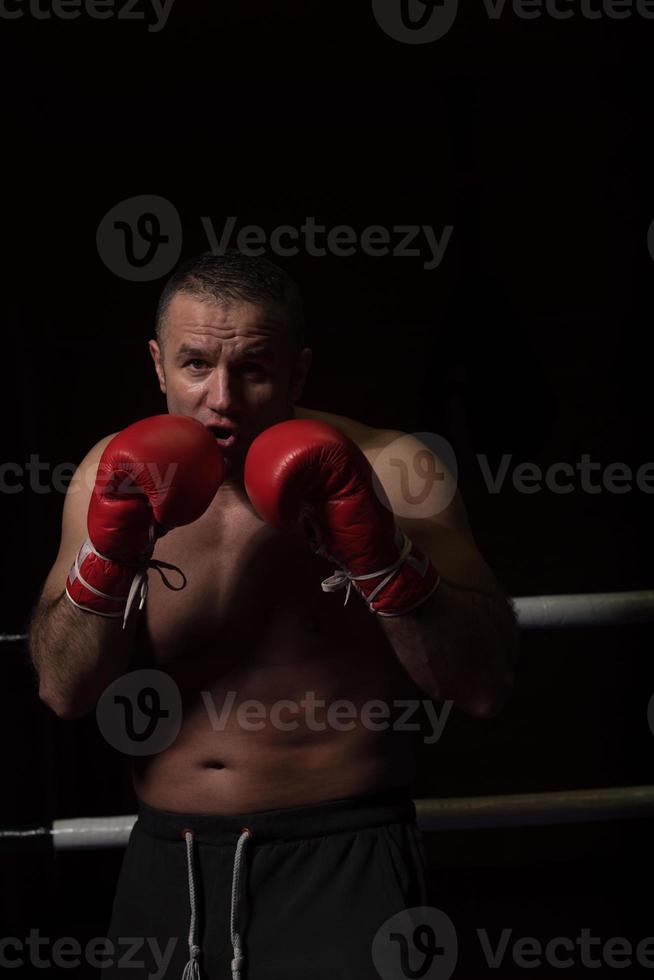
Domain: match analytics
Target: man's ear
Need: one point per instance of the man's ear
(156, 357)
(300, 372)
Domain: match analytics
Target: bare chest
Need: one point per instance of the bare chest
(253, 609)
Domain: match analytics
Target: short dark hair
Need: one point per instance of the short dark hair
(233, 277)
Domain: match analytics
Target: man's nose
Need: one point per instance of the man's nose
(221, 391)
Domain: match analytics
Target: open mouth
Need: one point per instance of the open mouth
(223, 434)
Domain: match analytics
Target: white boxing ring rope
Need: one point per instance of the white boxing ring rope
(456, 813)
(540, 612)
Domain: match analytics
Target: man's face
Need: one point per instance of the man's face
(230, 367)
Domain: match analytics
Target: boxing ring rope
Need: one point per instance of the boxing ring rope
(536, 809)
(584, 609)
(539, 612)
(454, 813)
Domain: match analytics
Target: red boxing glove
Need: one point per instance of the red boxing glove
(157, 474)
(309, 473)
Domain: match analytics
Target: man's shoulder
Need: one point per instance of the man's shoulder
(369, 439)
(92, 457)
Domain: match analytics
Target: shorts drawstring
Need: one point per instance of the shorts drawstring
(192, 968)
(239, 863)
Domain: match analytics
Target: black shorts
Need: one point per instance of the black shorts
(301, 895)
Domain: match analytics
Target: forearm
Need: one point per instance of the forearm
(77, 654)
(460, 645)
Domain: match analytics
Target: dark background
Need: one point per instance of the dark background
(531, 338)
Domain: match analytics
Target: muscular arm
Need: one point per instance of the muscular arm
(75, 654)
(461, 644)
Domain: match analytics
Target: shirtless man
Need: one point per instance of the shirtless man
(322, 812)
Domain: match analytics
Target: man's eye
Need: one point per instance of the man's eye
(250, 368)
(196, 363)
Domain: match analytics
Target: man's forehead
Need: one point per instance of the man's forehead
(221, 322)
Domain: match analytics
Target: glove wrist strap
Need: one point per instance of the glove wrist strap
(105, 587)
(404, 585)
